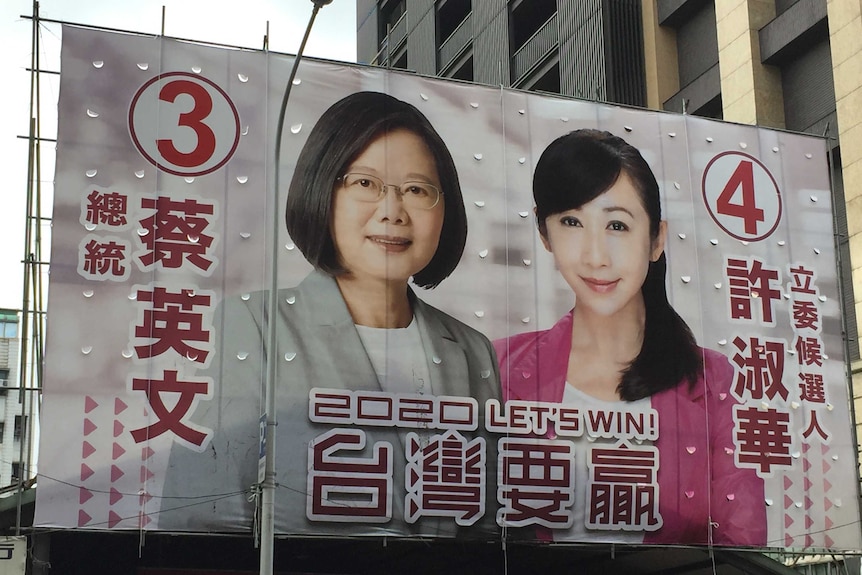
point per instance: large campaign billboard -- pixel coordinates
(499, 313)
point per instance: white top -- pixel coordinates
(582, 445)
(398, 358)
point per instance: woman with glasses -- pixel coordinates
(374, 202)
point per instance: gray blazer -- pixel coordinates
(318, 346)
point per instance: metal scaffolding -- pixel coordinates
(32, 313)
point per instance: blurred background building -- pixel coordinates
(15, 424)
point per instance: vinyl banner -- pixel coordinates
(498, 312)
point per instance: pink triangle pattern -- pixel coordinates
(83, 518)
(89, 404)
(86, 472)
(118, 428)
(116, 473)
(118, 451)
(144, 498)
(114, 496)
(146, 453)
(119, 406)
(89, 426)
(788, 482)
(788, 502)
(143, 520)
(84, 495)
(113, 519)
(788, 520)
(788, 541)
(87, 450)
(146, 474)
(828, 542)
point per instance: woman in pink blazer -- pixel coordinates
(623, 345)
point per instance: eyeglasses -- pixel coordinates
(367, 188)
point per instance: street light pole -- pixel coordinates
(267, 527)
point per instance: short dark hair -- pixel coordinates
(574, 170)
(341, 134)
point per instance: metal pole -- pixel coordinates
(842, 298)
(267, 527)
(28, 255)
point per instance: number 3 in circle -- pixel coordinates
(184, 124)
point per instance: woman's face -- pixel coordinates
(385, 240)
(603, 249)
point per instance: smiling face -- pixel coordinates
(383, 240)
(603, 249)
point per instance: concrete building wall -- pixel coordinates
(582, 49)
(367, 19)
(750, 90)
(491, 42)
(660, 59)
(10, 406)
(421, 35)
(845, 41)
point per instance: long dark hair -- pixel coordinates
(341, 134)
(574, 170)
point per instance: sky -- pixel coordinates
(223, 21)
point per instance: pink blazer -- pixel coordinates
(698, 480)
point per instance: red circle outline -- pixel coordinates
(715, 218)
(155, 162)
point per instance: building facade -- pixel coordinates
(786, 64)
(14, 424)
(588, 49)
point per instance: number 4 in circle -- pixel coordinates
(741, 196)
(742, 178)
